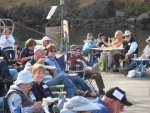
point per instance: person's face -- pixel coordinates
(127, 37)
(119, 36)
(90, 37)
(7, 32)
(52, 53)
(32, 47)
(116, 107)
(40, 54)
(46, 43)
(75, 52)
(102, 37)
(38, 76)
(26, 87)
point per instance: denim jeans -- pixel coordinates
(4, 70)
(133, 65)
(77, 80)
(70, 87)
(9, 52)
(89, 53)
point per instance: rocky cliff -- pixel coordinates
(80, 13)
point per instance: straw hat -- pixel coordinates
(127, 32)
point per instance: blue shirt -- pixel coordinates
(53, 62)
(88, 45)
(98, 102)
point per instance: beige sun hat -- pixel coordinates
(147, 40)
(127, 32)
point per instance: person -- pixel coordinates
(133, 64)
(89, 43)
(101, 39)
(78, 81)
(28, 51)
(108, 55)
(130, 48)
(8, 75)
(90, 71)
(112, 102)
(46, 41)
(7, 42)
(2, 88)
(39, 58)
(39, 88)
(78, 104)
(17, 97)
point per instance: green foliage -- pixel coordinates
(138, 10)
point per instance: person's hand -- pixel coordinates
(37, 105)
(126, 58)
(41, 61)
(49, 103)
(103, 40)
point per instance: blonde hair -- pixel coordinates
(37, 67)
(89, 34)
(6, 29)
(118, 32)
(30, 42)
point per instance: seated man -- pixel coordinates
(146, 54)
(130, 48)
(17, 95)
(77, 60)
(112, 102)
(78, 81)
(39, 58)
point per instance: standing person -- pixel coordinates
(112, 102)
(79, 104)
(90, 71)
(108, 55)
(130, 48)
(133, 64)
(46, 41)
(17, 95)
(50, 59)
(89, 43)
(50, 77)
(7, 42)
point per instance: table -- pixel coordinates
(141, 69)
(107, 48)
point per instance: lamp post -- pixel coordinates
(62, 30)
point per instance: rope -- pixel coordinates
(34, 30)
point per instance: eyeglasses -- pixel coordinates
(30, 84)
(53, 51)
(74, 49)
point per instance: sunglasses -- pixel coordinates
(127, 36)
(53, 51)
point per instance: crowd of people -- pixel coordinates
(40, 69)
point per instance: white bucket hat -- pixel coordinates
(39, 47)
(79, 103)
(127, 32)
(147, 40)
(24, 77)
(46, 38)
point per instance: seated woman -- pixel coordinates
(7, 42)
(79, 104)
(79, 82)
(40, 89)
(17, 97)
(28, 51)
(108, 55)
(89, 43)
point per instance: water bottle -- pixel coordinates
(77, 67)
(135, 55)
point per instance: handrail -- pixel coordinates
(34, 30)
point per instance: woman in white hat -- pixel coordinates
(17, 95)
(79, 104)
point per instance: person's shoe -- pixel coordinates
(94, 76)
(102, 92)
(84, 94)
(121, 70)
(115, 70)
(7, 79)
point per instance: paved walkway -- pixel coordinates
(137, 90)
